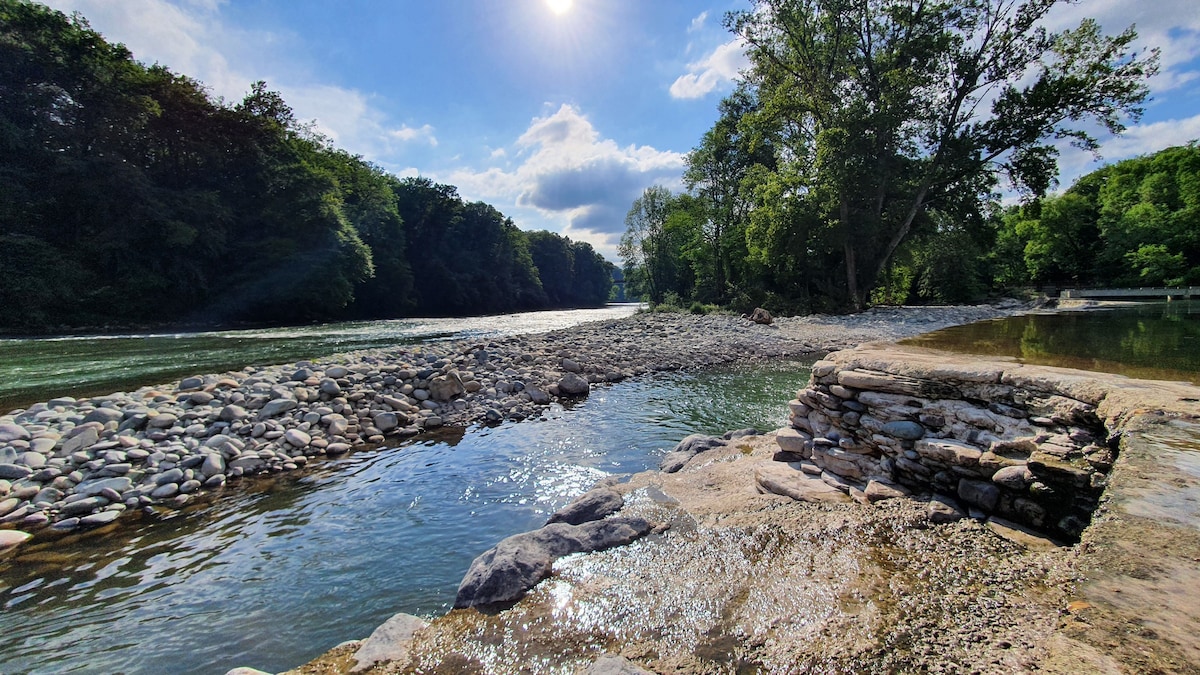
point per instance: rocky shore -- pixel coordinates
(737, 557)
(75, 463)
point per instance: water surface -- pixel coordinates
(276, 571)
(37, 369)
(1149, 340)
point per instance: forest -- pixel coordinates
(129, 196)
(907, 152)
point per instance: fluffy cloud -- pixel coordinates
(720, 66)
(564, 169)
(191, 38)
(698, 22)
(1172, 26)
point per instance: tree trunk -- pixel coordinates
(856, 301)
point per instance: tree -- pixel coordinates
(715, 172)
(646, 244)
(889, 108)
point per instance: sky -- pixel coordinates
(558, 112)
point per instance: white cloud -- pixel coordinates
(1172, 26)
(570, 173)
(708, 74)
(191, 38)
(698, 22)
(1137, 140)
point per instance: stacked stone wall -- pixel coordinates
(1030, 450)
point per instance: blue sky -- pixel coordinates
(558, 119)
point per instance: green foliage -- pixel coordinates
(884, 111)
(859, 157)
(128, 195)
(1135, 223)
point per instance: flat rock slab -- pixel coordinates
(388, 642)
(506, 571)
(787, 480)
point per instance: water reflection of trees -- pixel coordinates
(1156, 341)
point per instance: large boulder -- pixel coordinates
(507, 571)
(761, 316)
(686, 449)
(572, 384)
(592, 505)
(388, 642)
(446, 387)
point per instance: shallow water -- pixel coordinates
(277, 571)
(1158, 341)
(34, 370)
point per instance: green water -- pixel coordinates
(1159, 341)
(272, 572)
(33, 370)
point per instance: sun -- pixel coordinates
(560, 7)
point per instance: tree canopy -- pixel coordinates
(864, 130)
(128, 195)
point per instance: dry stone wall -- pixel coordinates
(1024, 446)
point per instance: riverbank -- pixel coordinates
(75, 463)
(748, 570)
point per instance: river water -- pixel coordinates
(276, 571)
(1157, 341)
(34, 370)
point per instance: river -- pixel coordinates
(279, 570)
(36, 369)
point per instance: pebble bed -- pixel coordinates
(74, 463)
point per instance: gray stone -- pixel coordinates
(277, 406)
(330, 387)
(686, 449)
(904, 430)
(213, 464)
(165, 491)
(337, 372)
(94, 487)
(505, 572)
(232, 413)
(385, 422)
(943, 509)
(85, 505)
(297, 438)
(570, 366)
(879, 489)
(33, 460)
(447, 387)
(201, 398)
(1013, 477)
(13, 432)
(103, 415)
(983, 494)
(537, 396)
(791, 440)
(101, 518)
(592, 505)
(949, 451)
(14, 471)
(12, 538)
(86, 437)
(610, 664)
(388, 642)
(191, 383)
(572, 384)
(169, 476)
(244, 670)
(790, 480)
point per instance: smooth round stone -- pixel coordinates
(85, 505)
(8, 505)
(36, 519)
(165, 491)
(169, 476)
(101, 518)
(11, 538)
(66, 524)
(43, 445)
(201, 398)
(189, 486)
(297, 438)
(14, 471)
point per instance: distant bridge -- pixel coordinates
(1130, 293)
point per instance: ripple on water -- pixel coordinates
(276, 571)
